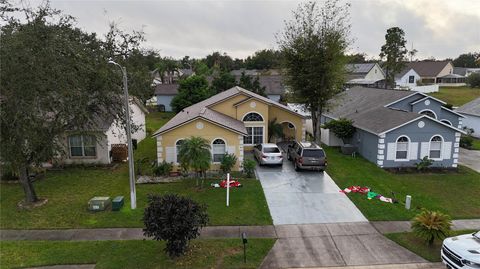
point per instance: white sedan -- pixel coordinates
(268, 154)
(462, 251)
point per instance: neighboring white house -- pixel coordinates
(93, 147)
(407, 78)
(471, 111)
(364, 74)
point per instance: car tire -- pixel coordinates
(296, 166)
(288, 156)
(321, 170)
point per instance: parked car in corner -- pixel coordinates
(268, 154)
(307, 155)
(462, 251)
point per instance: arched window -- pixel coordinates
(218, 150)
(252, 116)
(429, 113)
(177, 149)
(402, 148)
(82, 146)
(447, 122)
(291, 126)
(436, 147)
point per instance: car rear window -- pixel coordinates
(271, 150)
(315, 153)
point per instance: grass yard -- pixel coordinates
(69, 190)
(457, 96)
(476, 144)
(453, 193)
(418, 246)
(215, 253)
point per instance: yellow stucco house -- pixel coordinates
(232, 121)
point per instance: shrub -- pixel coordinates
(162, 169)
(228, 161)
(249, 167)
(174, 219)
(466, 142)
(474, 80)
(424, 163)
(342, 128)
(431, 225)
(149, 131)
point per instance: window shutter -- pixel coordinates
(447, 150)
(424, 149)
(231, 149)
(413, 151)
(170, 154)
(391, 151)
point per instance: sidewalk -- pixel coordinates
(268, 231)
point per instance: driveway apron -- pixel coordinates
(470, 158)
(305, 197)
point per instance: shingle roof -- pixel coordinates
(166, 89)
(471, 108)
(366, 107)
(427, 68)
(460, 70)
(273, 84)
(202, 110)
(361, 68)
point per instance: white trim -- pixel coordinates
(423, 116)
(286, 121)
(441, 148)
(381, 151)
(408, 149)
(454, 165)
(445, 121)
(455, 161)
(381, 141)
(455, 155)
(211, 147)
(191, 120)
(381, 146)
(263, 118)
(449, 110)
(175, 151)
(426, 109)
(456, 150)
(380, 162)
(251, 126)
(457, 134)
(428, 97)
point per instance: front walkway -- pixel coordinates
(470, 158)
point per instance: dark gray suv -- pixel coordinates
(307, 155)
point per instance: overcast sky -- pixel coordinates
(438, 28)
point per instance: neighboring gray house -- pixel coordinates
(471, 111)
(398, 128)
(364, 74)
(165, 94)
(465, 71)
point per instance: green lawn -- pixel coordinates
(68, 192)
(218, 253)
(453, 193)
(418, 246)
(457, 96)
(476, 144)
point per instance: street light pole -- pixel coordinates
(131, 169)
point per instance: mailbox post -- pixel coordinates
(244, 241)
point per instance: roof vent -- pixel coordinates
(203, 110)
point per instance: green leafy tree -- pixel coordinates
(473, 80)
(468, 60)
(342, 128)
(393, 51)
(314, 44)
(186, 62)
(55, 78)
(357, 58)
(191, 91)
(228, 162)
(264, 59)
(249, 167)
(275, 129)
(201, 68)
(222, 82)
(166, 68)
(218, 61)
(174, 219)
(431, 225)
(195, 154)
(251, 84)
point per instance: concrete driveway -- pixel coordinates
(470, 158)
(305, 197)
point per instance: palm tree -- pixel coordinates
(431, 225)
(195, 154)
(274, 129)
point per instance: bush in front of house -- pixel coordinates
(175, 219)
(162, 169)
(474, 80)
(342, 128)
(424, 164)
(466, 142)
(431, 225)
(249, 167)
(228, 161)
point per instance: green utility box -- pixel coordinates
(117, 203)
(99, 203)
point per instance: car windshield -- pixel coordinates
(314, 153)
(271, 150)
